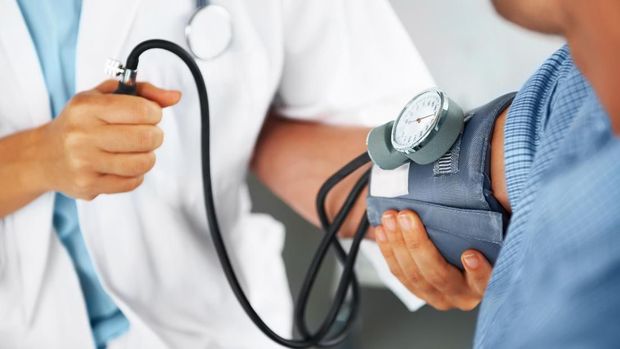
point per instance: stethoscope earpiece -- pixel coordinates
(208, 31)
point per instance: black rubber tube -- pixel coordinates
(322, 337)
(330, 239)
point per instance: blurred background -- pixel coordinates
(474, 56)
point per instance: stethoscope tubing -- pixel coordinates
(324, 336)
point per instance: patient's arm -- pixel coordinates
(415, 261)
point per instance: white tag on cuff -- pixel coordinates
(390, 183)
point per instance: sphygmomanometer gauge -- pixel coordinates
(416, 121)
(425, 130)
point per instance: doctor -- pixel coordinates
(137, 269)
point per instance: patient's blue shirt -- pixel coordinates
(557, 279)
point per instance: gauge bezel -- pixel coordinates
(430, 133)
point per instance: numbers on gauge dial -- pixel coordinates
(416, 121)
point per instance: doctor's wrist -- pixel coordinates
(22, 174)
(41, 172)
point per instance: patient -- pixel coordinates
(557, 279)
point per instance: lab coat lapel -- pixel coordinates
(31, 225)
(104, 28)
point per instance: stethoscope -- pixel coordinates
(209, 30)
(340, 318)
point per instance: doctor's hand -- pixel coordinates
(104, 143)
(416, 262)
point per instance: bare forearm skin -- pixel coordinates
(294, 158)
(22, 178)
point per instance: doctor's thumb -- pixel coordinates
(165, 98)
(477, 270)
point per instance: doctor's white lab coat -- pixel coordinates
(337, 61)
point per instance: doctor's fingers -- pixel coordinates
(433, 266)
(125, 165)
(477, 271)
(404, 267)
(110, 184)
(114, 109)
(128, 138)
(164, 98)
(108, 86)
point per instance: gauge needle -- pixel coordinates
(424, 117)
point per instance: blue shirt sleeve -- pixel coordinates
(571, 275)
(555, 128)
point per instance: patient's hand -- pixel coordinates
(416, 262)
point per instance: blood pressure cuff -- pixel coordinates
(452, 196)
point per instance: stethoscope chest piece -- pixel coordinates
(209, 32)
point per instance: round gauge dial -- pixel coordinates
(417, 120)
